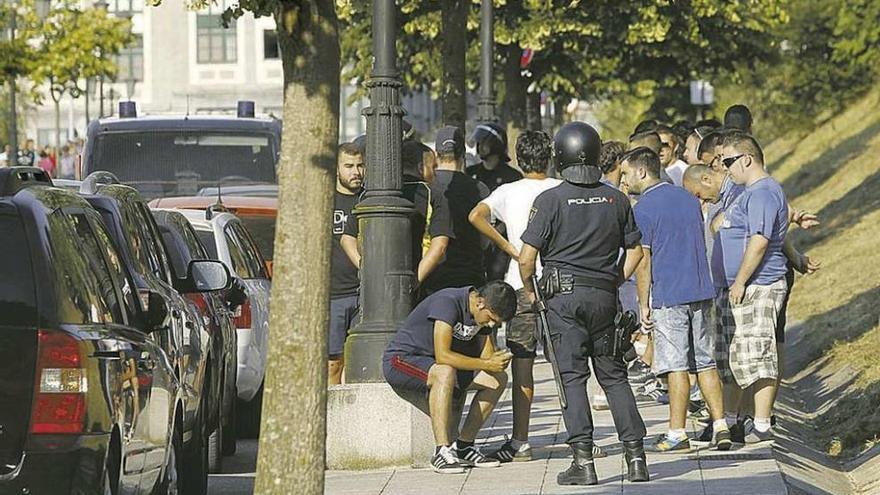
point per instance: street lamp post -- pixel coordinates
(387, 279)
(486, 104)
(101, 5)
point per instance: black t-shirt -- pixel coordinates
(502, 174)
(416, 333)
(456, 195)
(343, 274)
(581, 229)
(419, 193)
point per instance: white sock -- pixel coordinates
(719, 425)
(762, 425)
(677, 434)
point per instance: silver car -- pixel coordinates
(227, 240)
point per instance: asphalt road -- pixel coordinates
(238, 473)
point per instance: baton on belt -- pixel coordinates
(544, 333)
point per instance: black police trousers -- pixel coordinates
(575, 321)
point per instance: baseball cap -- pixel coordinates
(449, 140)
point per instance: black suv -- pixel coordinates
(136, 236)
(183, 246)
(89, 402)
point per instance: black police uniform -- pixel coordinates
(579, 230)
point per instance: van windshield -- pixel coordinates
(180, 163)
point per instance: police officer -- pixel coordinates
(579, 228)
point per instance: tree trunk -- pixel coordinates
(453, 48)
(533, 111)
(513, 101)
(291, 453)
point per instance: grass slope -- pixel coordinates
(835, 171)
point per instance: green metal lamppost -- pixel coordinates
(486, 103)
(387, 279)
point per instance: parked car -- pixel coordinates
(90, 401)
(136, 236)
(183, 246)
(227, 240)
(257, 213)
(178, 155)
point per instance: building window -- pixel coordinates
(214, 43)
(125, 8)
(130, 61)
(271, 51)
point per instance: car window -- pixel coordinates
(18, 300)
(262, 230)
(237, 253)
(252, 253)
(84, 289)
(117, 270)
(192, 241)
(164, 265)
(210, 244)
(177, 251)
(137, 236)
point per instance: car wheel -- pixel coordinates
(249, 416)
(170, 483)
(195, 477)
(229, 428)
(215, 449)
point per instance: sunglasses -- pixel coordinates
(729, 161)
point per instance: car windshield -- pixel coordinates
(262, 229)
(180, 163)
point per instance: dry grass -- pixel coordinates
(835, 171)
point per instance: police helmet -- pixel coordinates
(576, 149)
(496, 137)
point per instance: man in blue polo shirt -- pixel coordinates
(442, 350)
(752, 235)
(675, 295)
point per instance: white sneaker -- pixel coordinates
(445, 462)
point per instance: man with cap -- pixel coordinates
(579, 228)
(455, 194)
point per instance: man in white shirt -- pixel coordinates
(512, 203)
(669, 160)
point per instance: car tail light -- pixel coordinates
(60, 400)
(242, 315)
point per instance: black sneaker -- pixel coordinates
(506, 453)
(742, 428)
(707, 434)
(445, 462)
(639, 372)
(722, 440)
(599, 452)
(650, 392)
(697, 410)
(471, 456)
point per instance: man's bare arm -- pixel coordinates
(350, 246)
(634, 256)
(432, 259)
(443, 353)
(479, 217)
(644, 279)
(528, 257)
(800, 261)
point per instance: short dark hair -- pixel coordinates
(350, 149)
(610, 155)
(641, 139)
(683, 129)
(412, 156)
(738, 117)
(709, 142)
(743, 142)
(533, 151)
(500, 298)
(643, 157)
(647, 125)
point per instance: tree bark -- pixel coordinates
(533, 111)
(513, 101)
(453, 47)
(292, 440)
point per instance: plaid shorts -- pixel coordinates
(752, 343)
(724, 327)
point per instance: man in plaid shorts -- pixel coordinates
(750, 253)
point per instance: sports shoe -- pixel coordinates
(756, 436)
(698, 411)
(722, 441)
(471, 456)
(506, 453)
(599, 402)
(599, 452)
(663, 398)
(639, 373)
(707, 434)
(445, 462)
(742, 428)
(650, 392)
(664, 445)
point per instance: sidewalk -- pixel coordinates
(744, 470)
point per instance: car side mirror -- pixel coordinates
(155, 311)
(207, 276)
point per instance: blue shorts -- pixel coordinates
(343, 311)
(683, 338)
(408, 376)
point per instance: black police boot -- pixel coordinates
(582, 470)
(636, 464)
